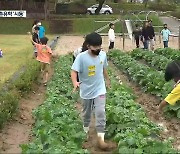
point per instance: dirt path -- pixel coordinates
(18, 131)
(173, 24)
(149, 103)
(67, 44)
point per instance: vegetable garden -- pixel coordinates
(58, 127)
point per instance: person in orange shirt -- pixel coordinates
(172, 72)
(44, 56)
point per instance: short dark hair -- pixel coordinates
(35, 22)
(111, 24)
(44, 40)
(84, 46)
(149, 20)
(172, 70)
(165, 24)
(136, 25)
(36, 28)
(93, 39)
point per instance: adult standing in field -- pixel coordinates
(35, 24)
(137, 33)
(145, 35)
(165, 35)
(111, 36)
(151, 35)
(41, 30)
(91, 66)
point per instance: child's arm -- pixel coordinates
(171, 99)
(162, 105)
(30, 36)
(74, 80)
(107, 78)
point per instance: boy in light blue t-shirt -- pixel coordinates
(91, 67)
(165, 35)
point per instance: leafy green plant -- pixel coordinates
(151, 80)
(58, 127)
(12, 90)
(169, 53)
(152, 59)
(128, 124)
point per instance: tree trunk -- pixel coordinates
(46, 9)
(145, 3)
(21, 4)
(101, 2)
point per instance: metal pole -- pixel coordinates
(123, 34)
(179, 37)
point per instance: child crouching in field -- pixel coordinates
(172, 73)
(44, 56)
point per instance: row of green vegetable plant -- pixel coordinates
(58, 127)
(151, 80)
(128, 124)
(154, 60)
(169, 53)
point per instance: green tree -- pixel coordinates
(101, 2)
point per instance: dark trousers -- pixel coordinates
(111, 46)
(137, 42)
(145, 44)
(165, 44)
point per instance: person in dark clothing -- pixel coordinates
(35, 38)
(145, 35)
(151, 34)
(137, 33)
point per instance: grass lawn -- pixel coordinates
(17, 50)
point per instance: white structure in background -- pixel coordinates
(137, 1)
(129, 28)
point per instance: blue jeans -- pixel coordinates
(165, 44)
(145, 44)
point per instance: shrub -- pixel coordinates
(13, 89)
(162, 6)
(176, 14)
(61, 26)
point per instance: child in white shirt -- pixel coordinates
(111, 36)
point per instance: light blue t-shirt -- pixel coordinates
(41, 31)
(165, 34)
(90, 71)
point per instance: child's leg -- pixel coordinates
(166, 44)
(87, 109)
(35, 52)
(137, 42)
(110, 45)
(46, 72)
(99, 104)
